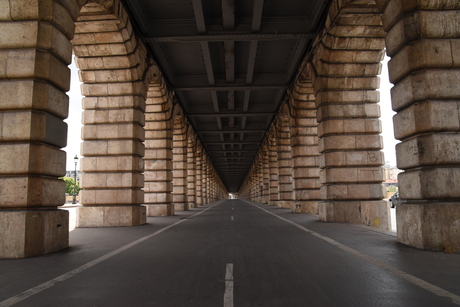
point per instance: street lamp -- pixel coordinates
(74, 201)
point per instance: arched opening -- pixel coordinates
(112, 64)
(74, 140)
(390, 168)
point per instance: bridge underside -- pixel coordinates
(183, 104)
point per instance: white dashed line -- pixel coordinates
(228, 294)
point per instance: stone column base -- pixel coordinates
(159, 210)
(110, 216)
(180, 207)
(33, 233)
(285, 204)
(374, 213)
(434, 226)
(310, 207)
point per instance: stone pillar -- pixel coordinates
(191, 170)
(206, 174)
(273, 163)
(213, 188)
(158, 151)
(198, 178)
(203, 178)
(253, 182)
(111, 67)
(179, 192)
(266, 175)
(208, 181)
(284, 160)
(304, 143)
(260, 178)
(347, 62)
(423, 43)
(34, 78)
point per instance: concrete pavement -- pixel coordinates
(233, 253)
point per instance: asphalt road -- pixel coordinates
(233, 253)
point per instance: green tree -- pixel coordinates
(392, 188)
(69, 185)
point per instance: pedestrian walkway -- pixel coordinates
(233, 253)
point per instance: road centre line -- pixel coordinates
(410, 278)
(228, 294)
(32, 291)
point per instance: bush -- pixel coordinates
(392, 188)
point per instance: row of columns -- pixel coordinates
(334, 135)
(140, 155)
(178, 172)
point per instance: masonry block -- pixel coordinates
(427, 116)
(17, 158)
(111, 197)
(34, 64)
(113, 131)
(111, 216)
(352, 174)
(434, 226)
(426, 84)
(112, 180)
(370, 213)
(33, 232)
(353, 191)
(351, 158)
(31, 191)
(158, 197)
(429, 149)
(309, 207)
(112, 163)
(113, 102)
(159, 210)
(430, 183)
(33, 126)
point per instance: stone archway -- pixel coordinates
(304, 143)
(158, 148)
(37, 54)
(344, 66)
(112, 64)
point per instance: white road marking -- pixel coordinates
(232, 217)
(228, 294)
(410, 278)
(32, 291)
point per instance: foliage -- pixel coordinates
(69, 185)
(392, 188)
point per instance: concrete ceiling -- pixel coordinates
(229, 64)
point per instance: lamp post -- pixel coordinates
(74, 201)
